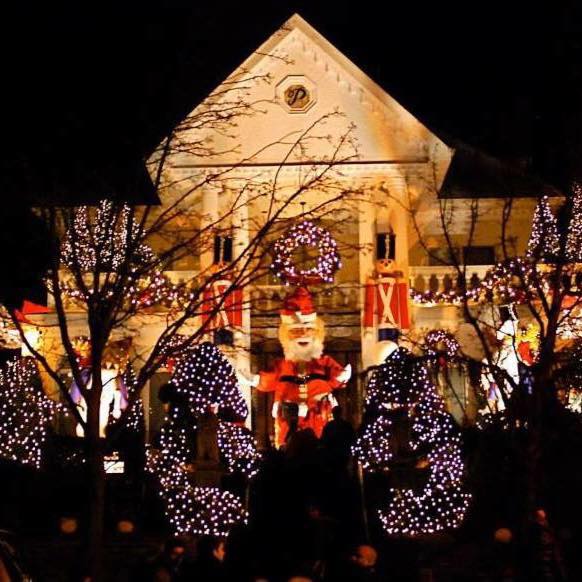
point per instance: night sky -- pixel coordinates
(89, 89)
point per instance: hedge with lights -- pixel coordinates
(204, 379)
(401, 388)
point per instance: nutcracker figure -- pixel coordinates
(223, 305)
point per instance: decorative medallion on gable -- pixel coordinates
(296, 93)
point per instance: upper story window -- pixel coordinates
(440, 256)
(482, 255)
(222, 249)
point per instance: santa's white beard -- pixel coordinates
(298, 353)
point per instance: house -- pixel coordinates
(404, 179)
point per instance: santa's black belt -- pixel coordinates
(299, 380)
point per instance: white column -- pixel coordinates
(241, 239)
(367, 241)
(210, 214)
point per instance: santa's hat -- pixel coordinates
(298, 307)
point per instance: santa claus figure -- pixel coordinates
(305, 379)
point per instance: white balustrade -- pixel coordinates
(443, 277)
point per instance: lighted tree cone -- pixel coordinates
(400, 390)
(544, 241)
(238, 448)
(204, 380)
(190, 509)
(108, 235)
(25, 413)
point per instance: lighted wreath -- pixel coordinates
(306, 236)
(439, 340)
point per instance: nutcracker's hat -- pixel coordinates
(298, 307)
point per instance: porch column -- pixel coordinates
(367, 241)
(242, 338)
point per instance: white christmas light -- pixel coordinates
(308, 235)
(205, 379)
(25, 413)
(402, 384)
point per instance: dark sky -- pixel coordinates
(89, 88)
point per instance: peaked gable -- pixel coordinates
(297, 58)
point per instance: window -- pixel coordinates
(479, 255)
(439, 256)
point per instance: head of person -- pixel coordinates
(541, 516)
(175, 549)
(219, 550)
(365, 556)
(314, 511)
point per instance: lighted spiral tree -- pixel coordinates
(401, 400)
(25, 413)
(203, 379)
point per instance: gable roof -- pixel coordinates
(296, 22)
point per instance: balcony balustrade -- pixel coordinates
(443, 277)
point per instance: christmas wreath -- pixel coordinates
(303, 237)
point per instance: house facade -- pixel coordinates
(302, 89)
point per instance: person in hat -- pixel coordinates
(305, 379)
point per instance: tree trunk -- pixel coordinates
(96, 489)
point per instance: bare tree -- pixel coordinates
(107, 274)
(536, 276)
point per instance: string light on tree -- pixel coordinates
(25, 413)
(108, 237)
(574, 238)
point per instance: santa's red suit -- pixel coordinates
(306, 384)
